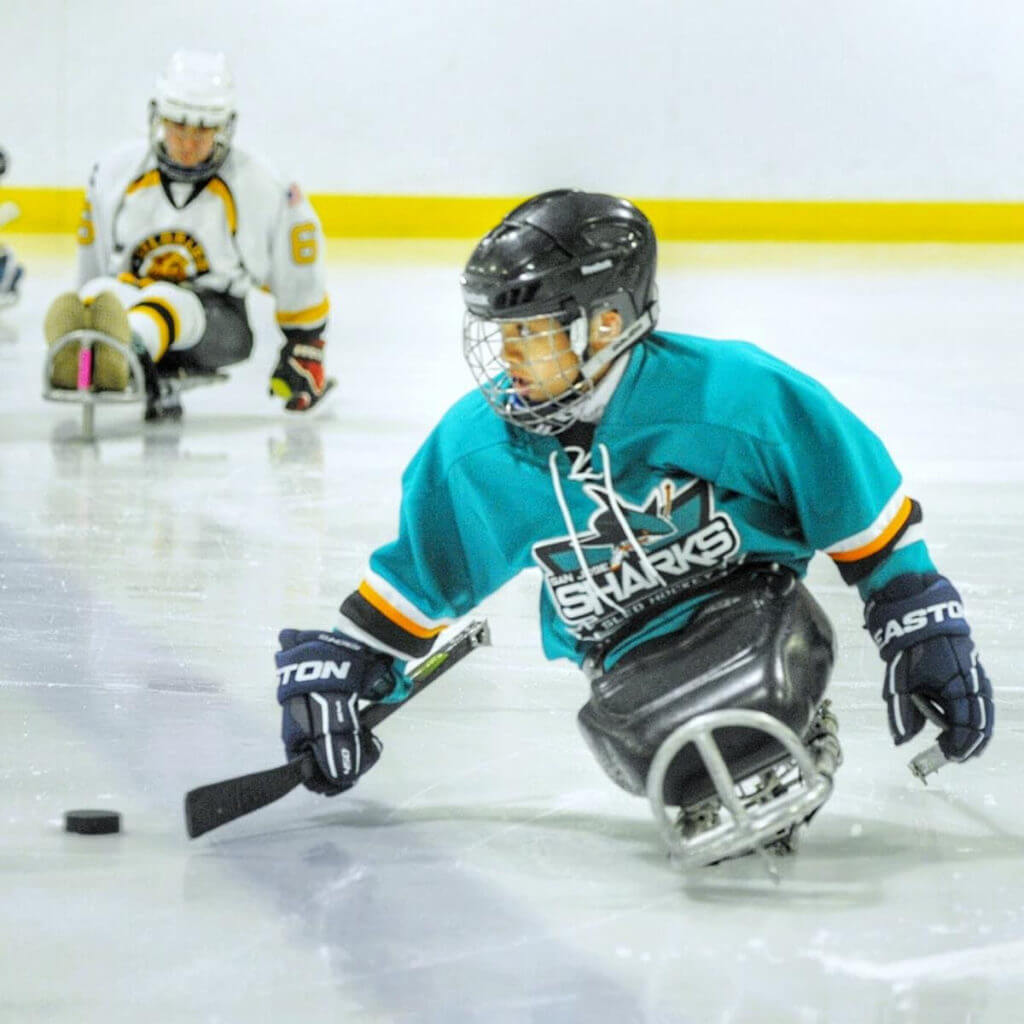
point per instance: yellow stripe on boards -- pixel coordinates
(696, 220)
(675, 220)
(409, 216)
(45, 209)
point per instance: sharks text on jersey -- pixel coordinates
(676, 540)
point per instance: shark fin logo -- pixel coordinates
(632, 557)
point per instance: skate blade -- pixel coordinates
(747, 826)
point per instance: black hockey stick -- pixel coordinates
(208, 807)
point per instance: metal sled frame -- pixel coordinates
(136, 393)
(751, 826)
(84, 395)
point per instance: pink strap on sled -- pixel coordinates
(85, 368)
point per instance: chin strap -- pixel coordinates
(639, 328)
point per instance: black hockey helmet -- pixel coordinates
(562, 252)
(566, 254)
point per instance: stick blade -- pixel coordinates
(213, 805)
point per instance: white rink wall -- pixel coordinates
(738, 99)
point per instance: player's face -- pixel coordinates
(540, 362)
(188, 145)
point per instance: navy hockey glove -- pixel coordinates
(917, 621)
(299, 377)
(321, 676)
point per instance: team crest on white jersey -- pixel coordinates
(636, 557)
(173, 256)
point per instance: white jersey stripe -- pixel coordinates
(402, 604)
(869, 533)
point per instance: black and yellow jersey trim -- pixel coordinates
(216, 186)
(147, 180)
(310, 317)
(219, 187)
(166, 319)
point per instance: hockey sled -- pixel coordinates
(147, 386)
(761, 811)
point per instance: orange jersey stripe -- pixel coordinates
(368, 594)
(881, 540)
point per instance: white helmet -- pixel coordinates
(196, 89)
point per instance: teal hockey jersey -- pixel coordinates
(709, 455)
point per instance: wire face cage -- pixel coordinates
(528, 370)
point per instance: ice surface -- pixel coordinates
(486, 870)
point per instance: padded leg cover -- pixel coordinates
(227, 339)
(765, 645)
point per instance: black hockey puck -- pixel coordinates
(92, 823)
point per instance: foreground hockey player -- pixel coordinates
(175, 233)
(671, 490)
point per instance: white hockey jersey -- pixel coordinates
(242, 229)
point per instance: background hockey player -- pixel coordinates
(670, 489)
(176, 231)
(11, 271)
